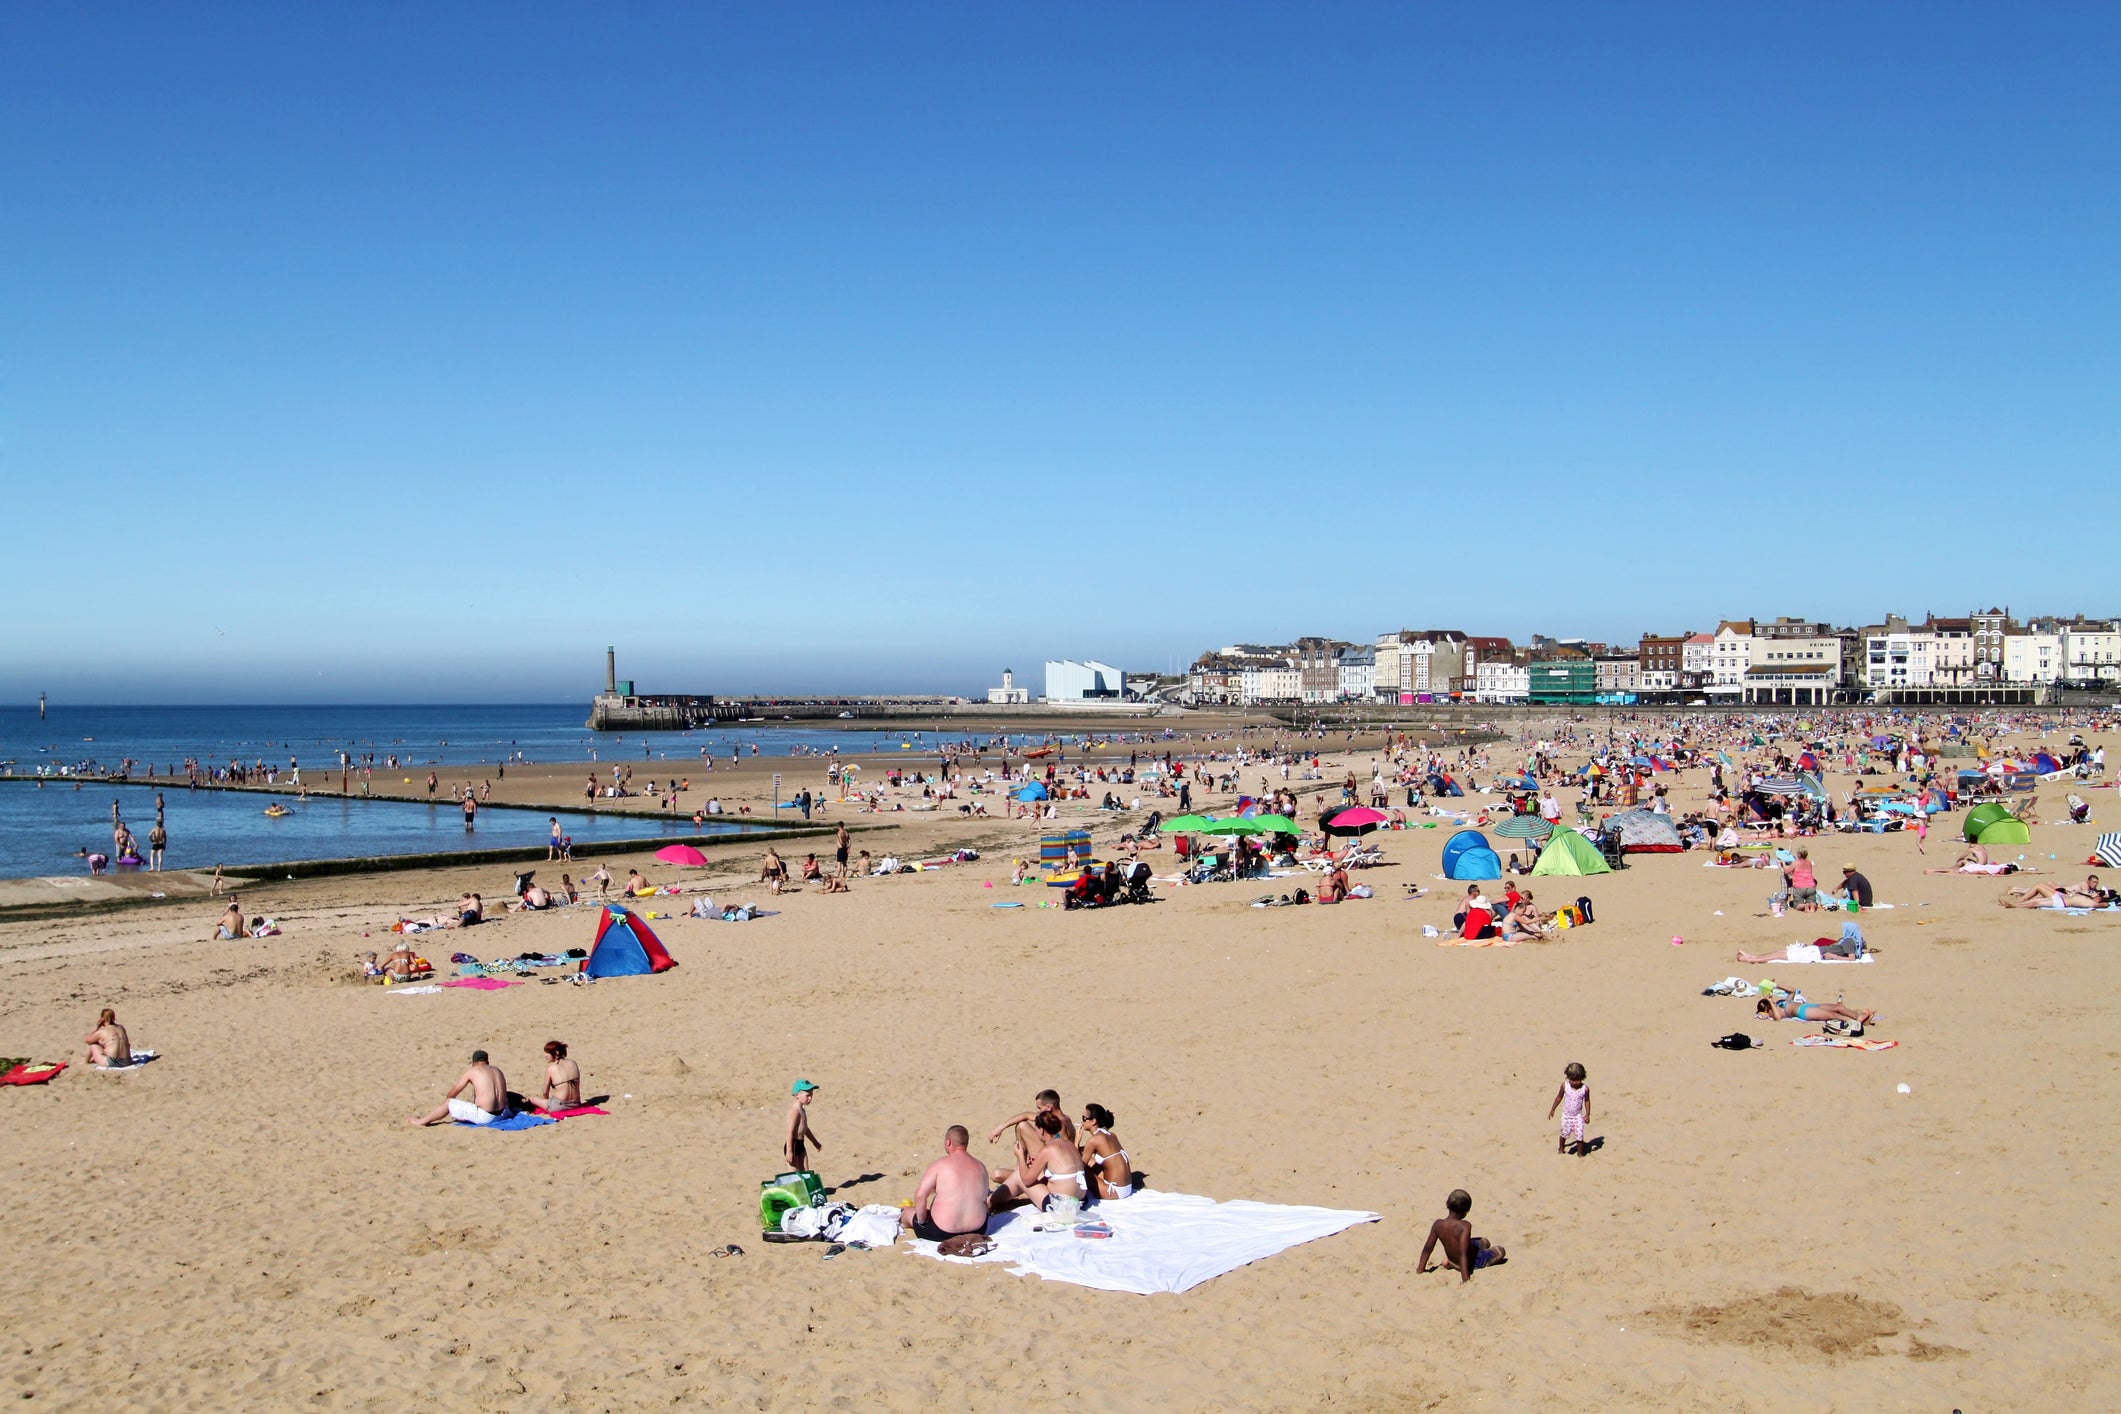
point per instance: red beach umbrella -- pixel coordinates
(1355, 820)
(683, 854)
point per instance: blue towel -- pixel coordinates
(521, 1119)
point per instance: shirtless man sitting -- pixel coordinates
(108, 1045)
(563, 1081)
(531, 900)
(952, 1196)
(231, 924)
(488, 1102)
(1046, 1101)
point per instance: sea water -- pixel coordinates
(43, 829)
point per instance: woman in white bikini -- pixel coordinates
(1104, 1157)
(1038, 1178)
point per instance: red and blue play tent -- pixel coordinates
(625, 947)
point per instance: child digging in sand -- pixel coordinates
(1573, 1099)
(1462, 1251)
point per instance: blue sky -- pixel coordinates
(407, 352)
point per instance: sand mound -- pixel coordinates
(1838, 1325)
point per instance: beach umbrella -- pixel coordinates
(1353, 820)
(1257, 825)
(1525, 827)
(1187, 825)
(683, 854)
(2108, 850)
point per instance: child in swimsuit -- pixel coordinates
(1462, 1251)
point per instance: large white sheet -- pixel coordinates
(1159, 1241)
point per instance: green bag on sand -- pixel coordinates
(789, 1190)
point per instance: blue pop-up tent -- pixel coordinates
(625, 947)
(1468, 855)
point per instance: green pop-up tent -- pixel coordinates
(1981, 817)
(1569, 853)
(2009, 830)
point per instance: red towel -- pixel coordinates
(30, 1073)
(483, 984)
(577, 1112)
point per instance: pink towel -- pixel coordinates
(483, 984)
(576, 1113)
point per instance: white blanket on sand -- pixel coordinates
(1159, 1241)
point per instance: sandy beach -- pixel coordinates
(249, 1223)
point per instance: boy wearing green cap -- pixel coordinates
(800, 1133)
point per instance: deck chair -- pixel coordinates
(2026, 808)
(2079, 809)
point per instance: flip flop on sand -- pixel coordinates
(732, 1250)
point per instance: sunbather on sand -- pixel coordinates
(231, 924)
(1851, 944)
(1111, 1171)
(403, 964)
(2085, 895)
(952, 1196)
(1976, 861)
(1516, 927)
(1050, 1176)
(1024, 1124)
(563, 1081)
(1768, 1009)
(108, 1045)
(488, 1102)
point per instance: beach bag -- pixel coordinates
(789, 1190)
(1736, 1041)
(1583, 909)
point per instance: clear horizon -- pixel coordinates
(408, 356)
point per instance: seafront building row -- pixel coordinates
(1986, 657)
